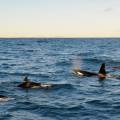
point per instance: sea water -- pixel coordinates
(51, 60)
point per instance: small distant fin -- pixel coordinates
(102, 69)
(26, 79)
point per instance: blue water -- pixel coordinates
(51, 61)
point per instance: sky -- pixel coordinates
(59, 18)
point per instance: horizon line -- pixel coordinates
(54, 37)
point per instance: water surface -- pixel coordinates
(51, 60)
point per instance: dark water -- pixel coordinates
(51, 61)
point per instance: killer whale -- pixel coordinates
(29, 84)
(3, 98)
(101, 74)
(83, 72)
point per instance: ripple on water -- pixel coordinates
(50, 61)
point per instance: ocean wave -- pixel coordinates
(50, 61)
(24, 74)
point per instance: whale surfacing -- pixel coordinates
(83, 73)
(29, 84)
(4, 98)
(101, 74)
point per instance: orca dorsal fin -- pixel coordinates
(26, 79)
(102, 69)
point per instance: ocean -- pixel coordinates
(52, 60)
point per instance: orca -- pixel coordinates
(84, 73)
(29, 84)
(101, 74)
(3, 98)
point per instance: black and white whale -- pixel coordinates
(29, 84)
(4, 98)
(101, 74)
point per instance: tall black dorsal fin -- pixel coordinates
(102, 69)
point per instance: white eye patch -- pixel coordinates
(79, 73)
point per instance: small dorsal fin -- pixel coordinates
(26, 79)
(102, 69)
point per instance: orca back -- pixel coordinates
(84, 73)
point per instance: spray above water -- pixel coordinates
(76, 64)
